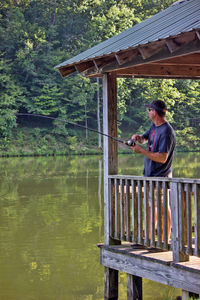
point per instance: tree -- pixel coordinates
(10, 95)
(37, 35)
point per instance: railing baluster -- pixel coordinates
(146, 214)
(112, 208)
(182, 217)
(124, 209)
(159, 215)
(197, 218)
(122, 235)
(134, 213)
(110, 194)
(152, 209)
(140, 227)
(189, 219)
(127, 211)
(165, 215)
(116, 210)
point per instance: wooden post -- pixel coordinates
(110, 148)
(110, 284)
(134, 287)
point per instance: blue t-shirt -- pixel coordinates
(161, 139)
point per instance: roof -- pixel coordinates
(180, 19)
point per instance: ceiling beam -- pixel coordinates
(187, 60)
(158, 77)
(166, 71)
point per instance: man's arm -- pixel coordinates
(155, 156)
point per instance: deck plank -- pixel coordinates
(156, 266)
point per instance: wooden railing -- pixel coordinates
(156, 212)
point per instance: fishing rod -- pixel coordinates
(130, 142)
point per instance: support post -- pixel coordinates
(110, 284)
(134, 287)
(110, 148)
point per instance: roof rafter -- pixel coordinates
(126, 56)
(67, 70)
(151, 49)
(176, 43)
(81, 67)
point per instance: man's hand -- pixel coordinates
(137, 149)
(138, 138)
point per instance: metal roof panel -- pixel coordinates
(178, 18)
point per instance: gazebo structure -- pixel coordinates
(167, 45)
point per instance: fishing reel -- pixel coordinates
(130, 143)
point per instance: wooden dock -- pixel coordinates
(141, 242)
(152, 265)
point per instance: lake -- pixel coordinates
(51, 218)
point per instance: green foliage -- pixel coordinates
(10, 93)
(115, 17)
(37, 35)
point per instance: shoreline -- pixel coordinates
(72, 153)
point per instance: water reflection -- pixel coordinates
(51, 218)
(49, 227)
(185, 165)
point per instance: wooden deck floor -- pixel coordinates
(153, 265)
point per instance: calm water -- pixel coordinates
(51, 218)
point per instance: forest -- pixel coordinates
(37, 35)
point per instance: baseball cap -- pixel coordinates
(158, 105)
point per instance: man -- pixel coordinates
(161, 142)
(160, 148)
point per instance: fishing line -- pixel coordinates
(128, 143)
